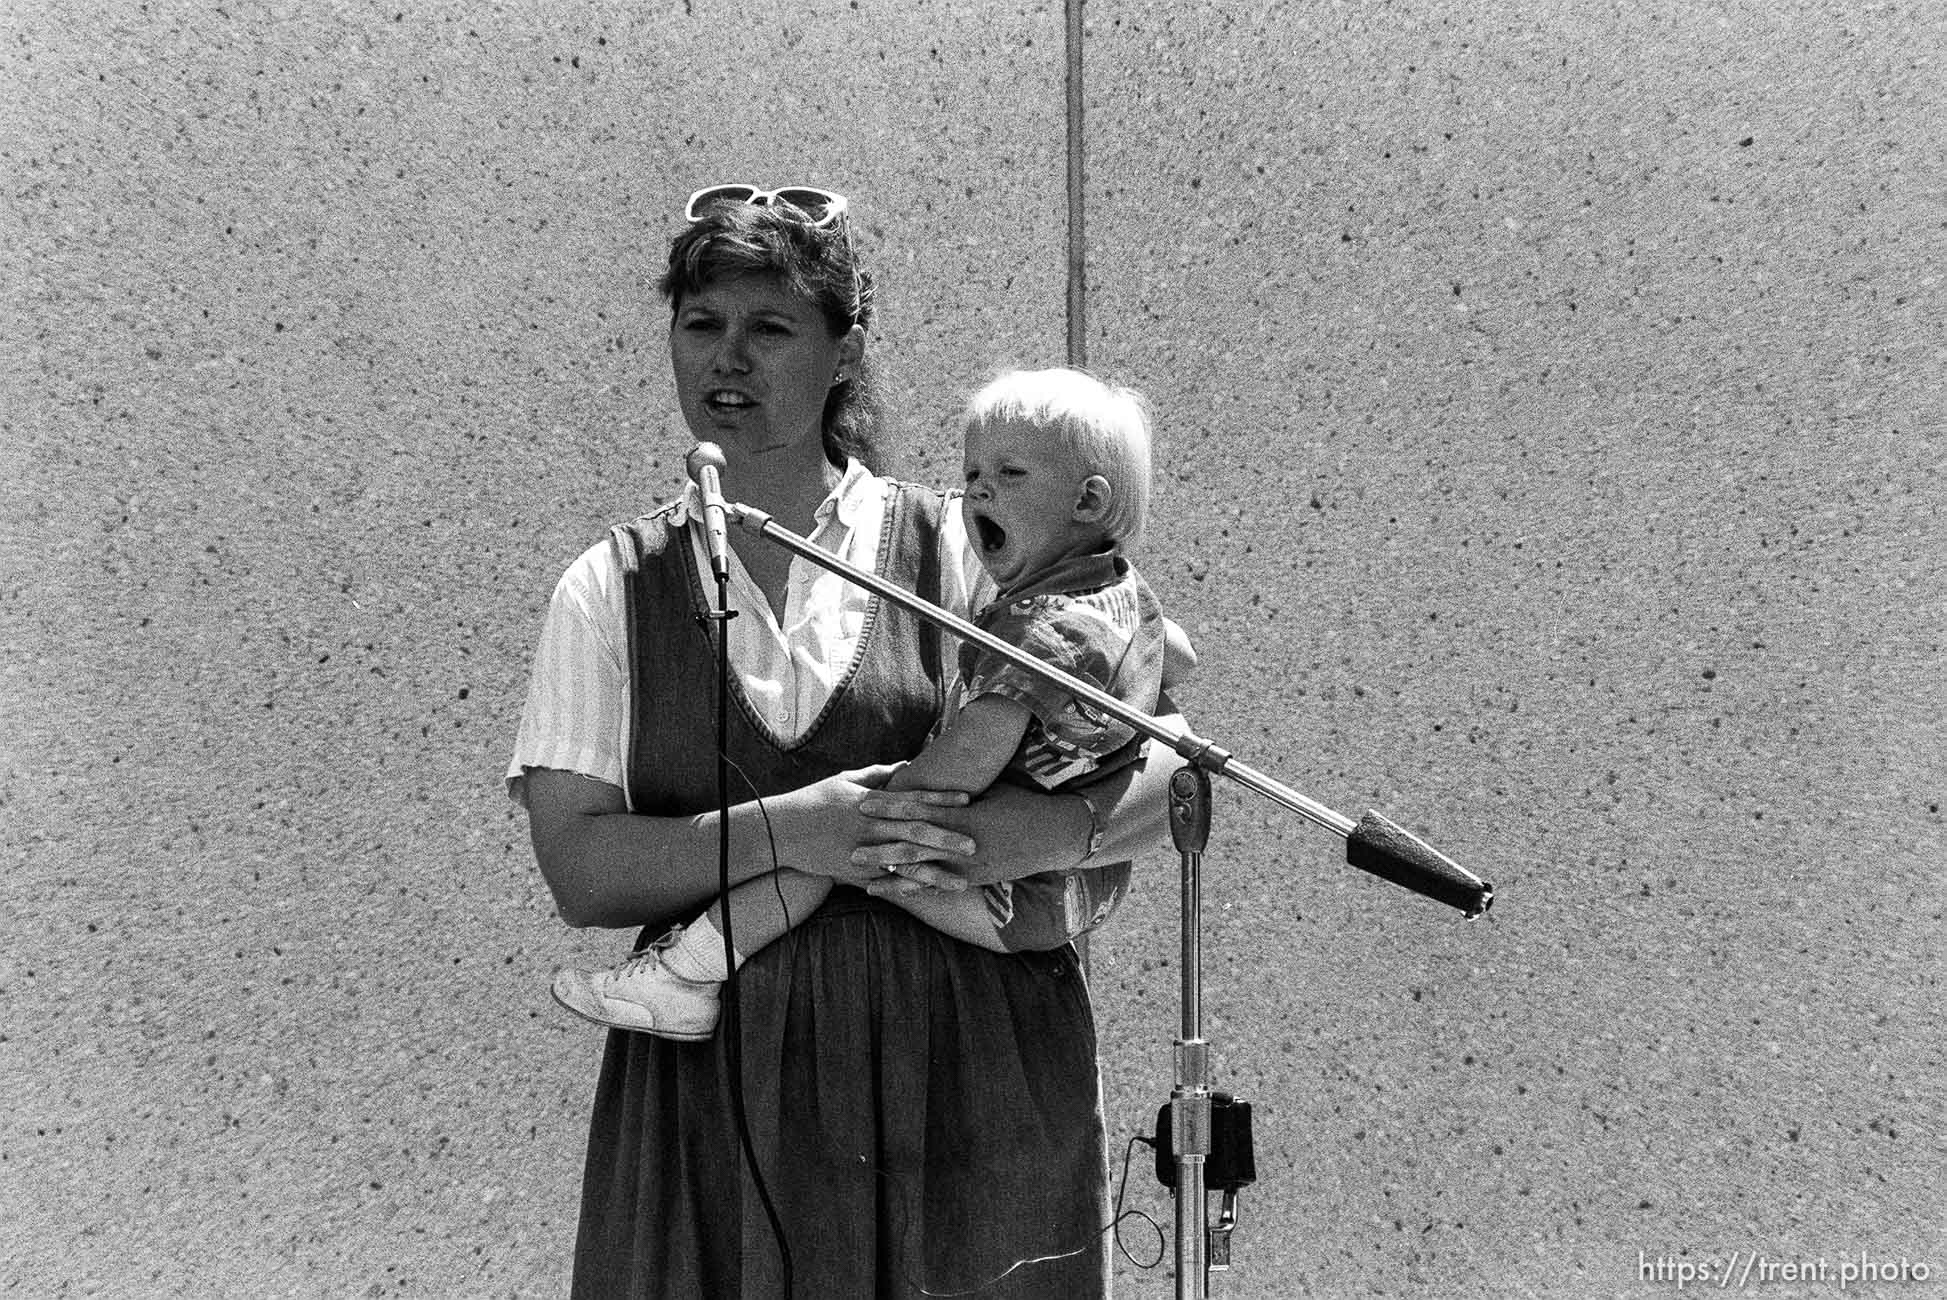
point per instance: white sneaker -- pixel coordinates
(641, 994)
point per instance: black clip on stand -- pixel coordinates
(1200, 1122)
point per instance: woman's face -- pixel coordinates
(753, 363)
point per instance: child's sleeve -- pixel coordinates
(1046, 910)
(1072, 737)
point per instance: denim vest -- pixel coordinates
(880, 710)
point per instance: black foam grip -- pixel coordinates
(1386, 850)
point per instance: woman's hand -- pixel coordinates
(1009, 832)
(916, 835)
(848, 828)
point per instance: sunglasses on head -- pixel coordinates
(821, 208)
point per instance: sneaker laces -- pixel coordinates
(645, 958)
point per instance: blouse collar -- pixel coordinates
(850, 500)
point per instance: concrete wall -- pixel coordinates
(1548, 400)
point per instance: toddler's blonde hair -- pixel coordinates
(1103, 428)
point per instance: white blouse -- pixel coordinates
(576, 717)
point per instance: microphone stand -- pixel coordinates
(1190, 1114)
(1372, 844)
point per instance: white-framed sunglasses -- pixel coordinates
(821, 208)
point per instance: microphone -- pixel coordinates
(704, 463)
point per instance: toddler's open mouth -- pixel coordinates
(992, 536)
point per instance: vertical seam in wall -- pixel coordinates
(1077, 261)
(1077, 234)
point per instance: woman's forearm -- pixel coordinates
(608, 867)
(1133, 818)
(962, 914)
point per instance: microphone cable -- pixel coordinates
(733, 1042)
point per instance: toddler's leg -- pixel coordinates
(761, 911)
(670, 988)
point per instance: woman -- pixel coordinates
(925, 1114)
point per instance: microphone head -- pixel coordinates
(704, 454)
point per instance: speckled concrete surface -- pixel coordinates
(1549, 400)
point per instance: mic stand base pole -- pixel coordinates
(1190, 1099)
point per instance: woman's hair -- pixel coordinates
(736, 240)
(1104, 429)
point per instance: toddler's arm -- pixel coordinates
(967, 756)
(972, 751)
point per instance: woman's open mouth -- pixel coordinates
(726, 400)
